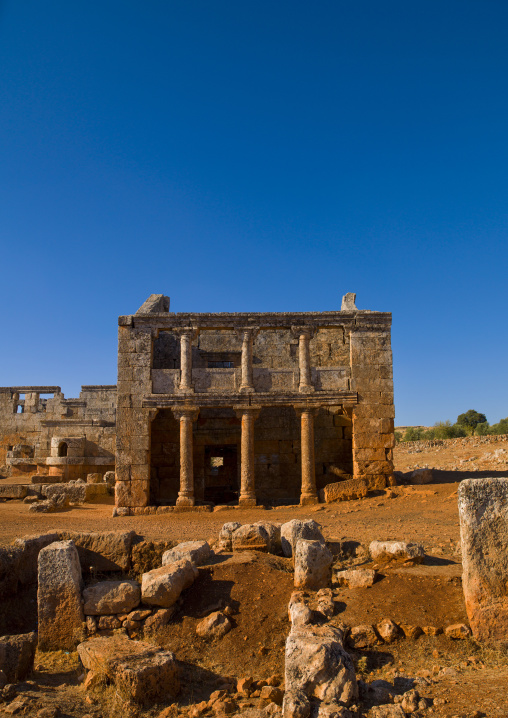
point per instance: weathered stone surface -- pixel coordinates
(251, 537)
(318, 670)
(387, 711)
(483, 513)
(147, 554)
(411, 632)
(274, 535)
(388, 630)
(17, 656)
(109, 597)
(163, 586)
(109, 479)
(59, 597)
(363, 636)
(355, 577)
(29, 547)
(422, 476)
(297, 529)
(298, 611)
(94, 478)
(13, 491)
(458, 631)
(216, 625)
(225, 536)
(386, 550)
(142, 671)
(198, 552)
(159, 618)
(313, 562)
(108, 623)
(344, 490)
(102, 550)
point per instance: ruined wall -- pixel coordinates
(32, 418)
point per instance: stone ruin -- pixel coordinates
(247, 408)
(217, 409)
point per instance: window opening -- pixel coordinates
(62, 449)
(221, 365)
(20, 409)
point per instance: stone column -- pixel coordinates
(309, 493)
(186, 336)
(186, 415)
(248, 416)
(247, 335)
(304, 335)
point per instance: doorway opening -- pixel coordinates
(221, 474)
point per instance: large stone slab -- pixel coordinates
(483, 513)
(103, 550)
(144, 672)
(17, 655)
(59, 597)
(195, 551)
(297, 529)
(109, 597)
(163, 586)
(396, 550)
(344, 490)
(13, 491)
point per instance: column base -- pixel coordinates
(185, 501)
(247, 389)
(305, 389)
(185, 390)
(309, 499)
(247, 501)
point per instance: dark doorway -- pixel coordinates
(221, 473)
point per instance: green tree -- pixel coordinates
(471, 419)
(500, 428)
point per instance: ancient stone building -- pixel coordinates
(250, 407)
(43, 433)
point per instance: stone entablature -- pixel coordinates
(238, 374)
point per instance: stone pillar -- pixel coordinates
(186, 415)
(247, 335)
(248, 415)
(186, 336)
(309, 493)
(60, 610)
(304, 335)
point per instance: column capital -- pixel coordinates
(250, 410)
(179, 412)
(306, 330)
(187, 331)
(303, 409)
(241, 331)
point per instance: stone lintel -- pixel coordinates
(263, 320)
(315, 400)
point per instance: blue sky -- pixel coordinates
(264, 156)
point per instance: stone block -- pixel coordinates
(132, 493)
(313, 562)
(163, 586)
(197, 552)
(60, 611)
(344, 491)
(13, 491)
(111, 597)
(388, 550)
(145, 673)
(214, 626)
(483, 514)
(29, 548)
(102, 550)
(17, 656)
(251, 537)
(294, 530)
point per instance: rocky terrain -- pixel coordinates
(400, 618)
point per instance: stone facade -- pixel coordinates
(42, 432)
(251, 407)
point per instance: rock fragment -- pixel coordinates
(109, 597)
(297, 529)
(313, 562)
(163, 586)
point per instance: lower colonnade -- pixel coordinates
(186, 415)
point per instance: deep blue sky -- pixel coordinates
(265, 156)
